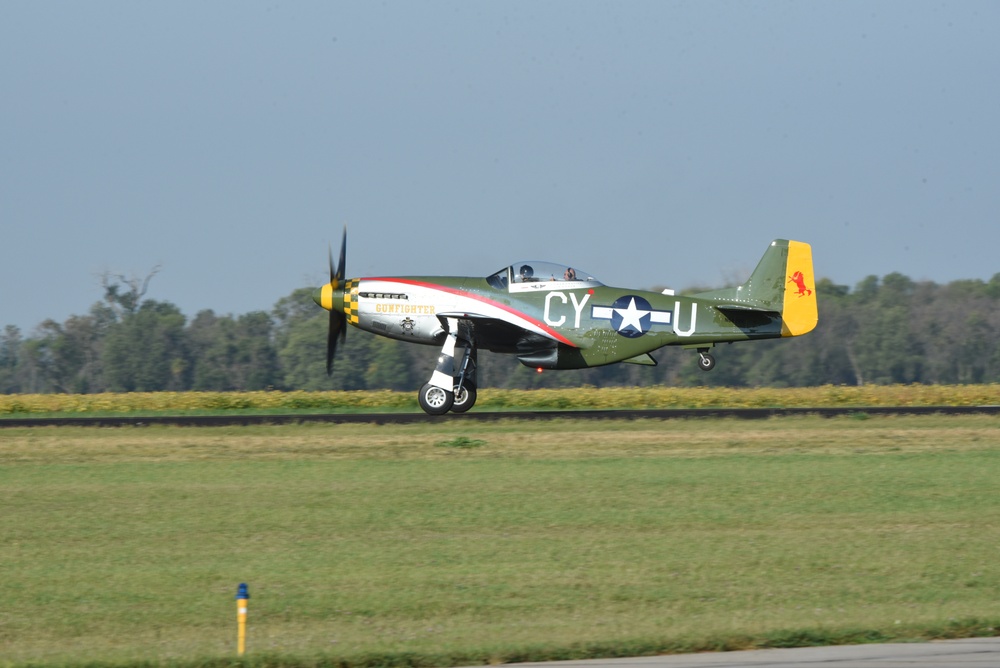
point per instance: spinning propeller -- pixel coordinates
(326, 297)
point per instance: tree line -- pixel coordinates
(884, 330)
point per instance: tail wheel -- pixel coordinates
(435, 400)
(465, 398)
(706, 362)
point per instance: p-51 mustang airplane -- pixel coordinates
(560, 317)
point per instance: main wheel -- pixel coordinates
(434, 400)
(464, 398)
(706, 362)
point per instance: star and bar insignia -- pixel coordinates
(631, 315)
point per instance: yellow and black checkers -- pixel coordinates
(351, 301)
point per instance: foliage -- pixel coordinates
(148, 350)
(583, 398)
(886, 331)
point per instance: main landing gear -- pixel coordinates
(452, 388)
(435, 400)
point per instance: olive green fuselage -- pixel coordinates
(552, 324)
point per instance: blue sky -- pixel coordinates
(652, 143)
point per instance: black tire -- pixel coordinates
(434, 400)
(464, 399)
(706, 362)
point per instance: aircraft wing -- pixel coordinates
(517, 335)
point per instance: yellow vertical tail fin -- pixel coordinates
(799, 313)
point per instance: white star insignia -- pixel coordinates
(631, 316)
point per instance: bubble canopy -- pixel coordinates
(539, 275)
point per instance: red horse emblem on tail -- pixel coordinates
(800, 282)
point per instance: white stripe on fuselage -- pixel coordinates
(457, 302)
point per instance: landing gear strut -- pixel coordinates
(465, 382)
(452, 388)
(465, 398)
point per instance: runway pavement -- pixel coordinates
(965, 653)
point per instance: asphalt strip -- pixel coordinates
(964, 653)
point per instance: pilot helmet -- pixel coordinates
(526, 271)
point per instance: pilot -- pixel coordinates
(569, 274)
(527, 273)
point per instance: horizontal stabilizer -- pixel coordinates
(746, 317)
(744, 307)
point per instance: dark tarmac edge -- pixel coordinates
(719, 651)
(421, 418)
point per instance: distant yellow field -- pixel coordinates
(497, 399)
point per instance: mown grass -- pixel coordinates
(374, 545)
(583, 398)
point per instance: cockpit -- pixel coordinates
(535, 275)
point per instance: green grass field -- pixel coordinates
(461, 543)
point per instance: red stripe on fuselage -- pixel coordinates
(486, 300)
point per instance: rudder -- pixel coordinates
(799, 313)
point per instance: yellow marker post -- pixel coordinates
(242, 596)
